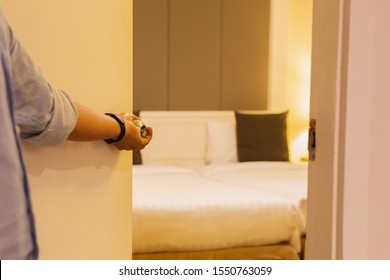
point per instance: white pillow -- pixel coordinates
(221, 142)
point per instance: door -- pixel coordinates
(323, 226)
(81, 192)
(348, 182)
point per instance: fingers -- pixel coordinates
(150, 133)
(133, 139)
(148, 137)
(129, 117)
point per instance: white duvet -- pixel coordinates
(282, 178)
(186, 209)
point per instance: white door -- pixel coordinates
(81, 191)
(348, 181)
(324, 106)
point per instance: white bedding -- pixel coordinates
(184, 209)
(282, 178)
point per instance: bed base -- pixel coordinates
(281, 251)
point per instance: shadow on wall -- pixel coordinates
(71, 156)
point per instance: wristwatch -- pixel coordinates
(121, 123)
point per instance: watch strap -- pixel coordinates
(122, 126)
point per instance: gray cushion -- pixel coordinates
(262, 137)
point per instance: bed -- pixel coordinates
(197, 198)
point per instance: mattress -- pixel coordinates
(285, 179)
(177, 209)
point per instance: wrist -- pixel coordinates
(122, 128)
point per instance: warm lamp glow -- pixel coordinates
(298, 147)
(304, 85)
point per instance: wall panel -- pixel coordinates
(201, 54)
(194, 54)
(150, 54)
(245, 37)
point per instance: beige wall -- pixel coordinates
(289, 67)
(201, 54)
(81, 191)
(150, 54)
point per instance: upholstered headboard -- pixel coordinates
(180, 137)
(215, 137)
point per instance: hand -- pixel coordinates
(132, 139)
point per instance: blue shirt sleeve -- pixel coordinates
(44, 114)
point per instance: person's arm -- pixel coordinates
(92, 126)
(46, 115)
